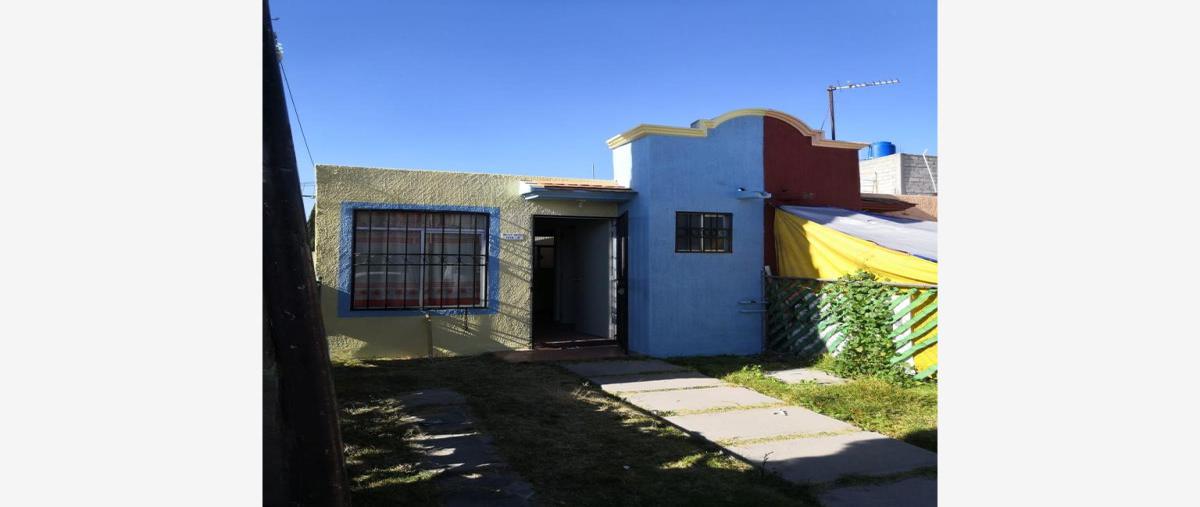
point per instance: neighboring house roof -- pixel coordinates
(917, 207)
(915, 237)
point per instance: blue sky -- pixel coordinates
(536, 87)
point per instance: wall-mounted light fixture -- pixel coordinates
(742, 193)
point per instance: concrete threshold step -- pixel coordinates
(621, 367)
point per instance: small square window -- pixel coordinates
(701, 232)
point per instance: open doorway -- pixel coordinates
(573, 282)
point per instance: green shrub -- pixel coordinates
(861, 307)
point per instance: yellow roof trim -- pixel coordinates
(700, 128)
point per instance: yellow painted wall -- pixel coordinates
(379, 337)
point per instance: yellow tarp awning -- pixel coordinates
(807, 249)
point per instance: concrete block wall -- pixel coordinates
(915, 177)
(879, 175)
(898, 174)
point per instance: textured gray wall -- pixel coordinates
(915, 178)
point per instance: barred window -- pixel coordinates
(419, 260)
(697, 232)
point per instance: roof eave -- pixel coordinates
(700, 128)
(547, 194)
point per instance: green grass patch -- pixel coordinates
(574, 443)
(908, 413)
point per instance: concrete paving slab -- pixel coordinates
(472, 471)
(654, 381)
(697, 399)
(759, 423)
(823, 459)
(442, 419)
(466, 452)
(914, 492)
(798, 375)
(622, 367)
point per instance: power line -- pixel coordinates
(296, 110)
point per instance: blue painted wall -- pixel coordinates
(687, 303)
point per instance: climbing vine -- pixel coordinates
(861, 306)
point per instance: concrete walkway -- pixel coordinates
(471, 472)
(798, 444)
(799, 375)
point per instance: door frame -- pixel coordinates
(621, 263)
(616, 300)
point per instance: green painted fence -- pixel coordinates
(798, 322)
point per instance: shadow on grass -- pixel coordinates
(383, 469)
(922, 438)
(575, 444)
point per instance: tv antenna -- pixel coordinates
(832, 88)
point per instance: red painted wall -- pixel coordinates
(796, 172)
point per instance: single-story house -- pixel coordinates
(664, 260)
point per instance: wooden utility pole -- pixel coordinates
(302, 445)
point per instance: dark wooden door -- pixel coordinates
(623, 281)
